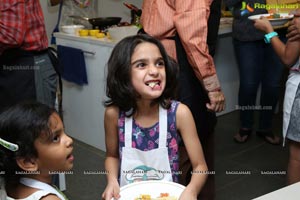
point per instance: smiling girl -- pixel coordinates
(143, 125)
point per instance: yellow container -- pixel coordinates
(83, 32)
(100, 35)
(93, 32)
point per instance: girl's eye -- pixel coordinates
(56, 138)
(140, 65)
(160, 63)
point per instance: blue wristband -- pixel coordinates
(269, 36)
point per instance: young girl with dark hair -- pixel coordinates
(143, 124)
(33, 147)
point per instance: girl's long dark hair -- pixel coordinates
(119, 89)
(22, 125)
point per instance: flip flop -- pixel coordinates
(269, 137)
(242, 136)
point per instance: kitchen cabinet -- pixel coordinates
(83, 111)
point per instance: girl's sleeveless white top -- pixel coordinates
(35, 196)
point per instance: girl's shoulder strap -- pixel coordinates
(174, 106)
(43, 187)
(37, 195)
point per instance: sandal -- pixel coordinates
(242, 136)
(269, 137)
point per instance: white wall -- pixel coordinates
(115, 8)
(50, 15)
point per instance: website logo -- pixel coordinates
(290, 6)
(246, 8)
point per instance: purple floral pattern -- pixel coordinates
(146, 139)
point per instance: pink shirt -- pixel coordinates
(163, 18)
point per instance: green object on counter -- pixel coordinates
(137, 21)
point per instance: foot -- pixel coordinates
(269, 137)
(242, 136)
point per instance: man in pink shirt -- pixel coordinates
(182, 28)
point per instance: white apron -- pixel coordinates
(140, 165)
(42, 186)
(290, 93)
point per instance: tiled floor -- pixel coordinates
(253, 158)
(241, 169)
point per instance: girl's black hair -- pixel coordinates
(119, 89)
(21, 124)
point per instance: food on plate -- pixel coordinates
(274, 16)
(143, 197)
(163, 196)
(276, 19)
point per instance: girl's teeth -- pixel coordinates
(152, 84)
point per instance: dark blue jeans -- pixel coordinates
(258, 64)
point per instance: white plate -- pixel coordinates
(153, 188)
(284, 18)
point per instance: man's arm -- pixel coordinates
(191, 24)
(12, 25)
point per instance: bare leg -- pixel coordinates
(293, 173)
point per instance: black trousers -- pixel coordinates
(16, 78)
(213, 26)
(26, 76)
(192, 93)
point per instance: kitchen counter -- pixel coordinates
(224, 28)
(86, 39)
(83, 105)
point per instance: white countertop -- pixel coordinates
(224, 28)
(86, 39)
